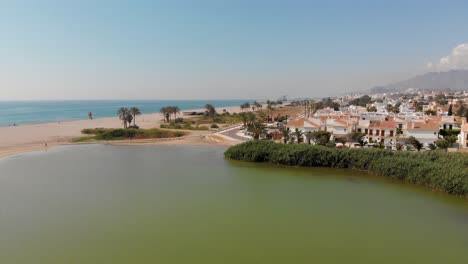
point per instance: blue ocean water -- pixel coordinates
(27, 112)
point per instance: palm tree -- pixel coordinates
(129, 118)
(134, 111)
(166, 113)
(245, 105)
(309, 135)
(247, 118)
(286, 134)
(298, 133)
(244, 118)
(256, 105)
(257, 128)
(175, 110)
(270, 110)
(210, 110)
(123, 114)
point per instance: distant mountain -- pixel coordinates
(455, 80)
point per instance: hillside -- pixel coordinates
(456, 80)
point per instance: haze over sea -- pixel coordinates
(28, 112)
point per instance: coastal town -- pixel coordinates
(420, 121)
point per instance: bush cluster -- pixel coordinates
(437, 170)
(185, 126)
(118, 134)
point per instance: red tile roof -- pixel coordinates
(429, 126)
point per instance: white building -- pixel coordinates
(424, 132)
(463, 136)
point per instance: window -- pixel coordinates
(377, 132)
(370, 132)
(359, 130)
(383, 133)
(400, 126)
(366, 131)
(391, 133)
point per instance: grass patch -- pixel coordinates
(122, 134)
(184, 126)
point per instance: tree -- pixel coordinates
(244, 106)
(210, 110)
(394, 109)
(257, 105)
(175, 110)
(399, 146)
(442, 144)
(418, 145)
(371, 109)
(461, 110)
(430, 112)
(414, 142)
(166, 111)
(270, 109)
(297, 134)
(432, 146)
(308, 136)
(321, 137)
(257, 128)
(451, 139)
(244, 118)
(328, 102)
(357, 137)
(362, 101)
(134, 111)
(247, 118)
(450, 111)
(129, 118)
(123, 114)
(286, 134)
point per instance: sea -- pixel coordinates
(31, 112)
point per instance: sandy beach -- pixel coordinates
(26, 138)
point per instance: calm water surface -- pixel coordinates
(157, 204)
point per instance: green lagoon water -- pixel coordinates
(158, 204)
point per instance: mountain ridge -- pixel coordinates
(454, 80)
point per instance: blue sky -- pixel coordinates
(218, 49)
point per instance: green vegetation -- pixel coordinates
(438, 170)
(362, 101)
(127, 116)
(121, 134)
(257, 128)
(450, 137)
(168, 111)
(183, 125)
(430, 112)
(210, 110)
(394, 108)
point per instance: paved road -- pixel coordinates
(232, 134)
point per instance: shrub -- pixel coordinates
(438, 170)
